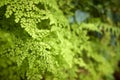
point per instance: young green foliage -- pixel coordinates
(38, 43)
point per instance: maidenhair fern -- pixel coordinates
(38, 43)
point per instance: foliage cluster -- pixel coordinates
(59, 39)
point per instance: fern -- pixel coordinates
(38, 43)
